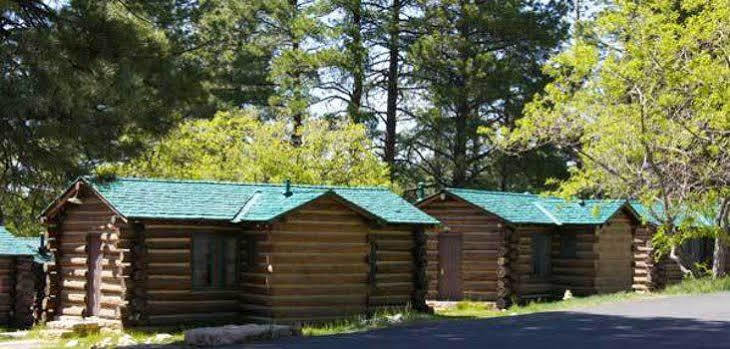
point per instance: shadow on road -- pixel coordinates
(545, 330)
(560, 330)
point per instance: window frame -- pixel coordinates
(571, 250)
(536, 269)
(219, 237)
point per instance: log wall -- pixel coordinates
(165, 293)
(524, 282)
(394, 270)
(313, 266)
(614, 255)
(482, 237)
(7, 289)
(497, 260)
(578, 273)
(320, 262)
(67, 241)
(648, 273)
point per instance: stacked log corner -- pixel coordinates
(136, 295)
(25, 292)
(504, 282)
(53, 282)
(420, 279)
(7, 289)
(651, 274)
(21, 291)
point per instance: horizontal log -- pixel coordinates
(394, 256)
(176, 307)
(169, 269)
(311, 258)
(341, 289)
(308, 268)
(74, 310)
(176, 243)
(390, 300)
(331, 236)
(168, 256)
(318, 247)
(188, 295)
(280, 278)
(307, 311)
(483, 296)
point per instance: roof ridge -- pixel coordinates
(248, 184)
(514, 193)
(531, 195)
(547, 213)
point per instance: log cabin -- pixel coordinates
(652, 273)
(21, 276)
(141, 252)
(506, 247)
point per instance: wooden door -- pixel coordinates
(93, 276)
(449, 281)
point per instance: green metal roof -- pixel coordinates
(243, 202)
(11, 245)
(643, 211)
(528, 208)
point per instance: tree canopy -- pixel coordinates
(478, 62)
(642, 98)
(237, 146)
(82, 83)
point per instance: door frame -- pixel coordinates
(459, 263)
(94, 265)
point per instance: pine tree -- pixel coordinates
(478, 63)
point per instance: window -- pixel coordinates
(540, 254)
(215, 258)
(568, 246)
(251, 251)
(700, 250)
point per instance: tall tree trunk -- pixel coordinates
(685, 263)
(296, 138)
(357, 51)
(462, 109)
(459, 150)
(719, 257)
(392, 99)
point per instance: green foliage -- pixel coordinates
(642, 99)
(82, 82)
(238, 146)
(478, 62)
(699, 286)
(381, 319)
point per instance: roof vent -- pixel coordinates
(75, 198)
(287, 188)
(581, 202)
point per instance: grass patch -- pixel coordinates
(382, 319)
(108, 338)
(699, 286)
(470, 309)
(112, 339)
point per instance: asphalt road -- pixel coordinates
(673, 322)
